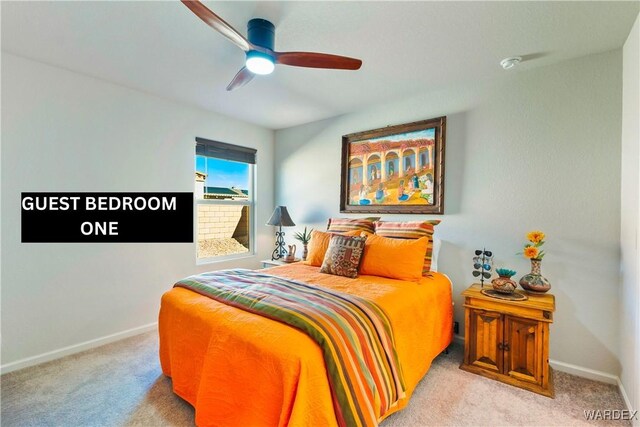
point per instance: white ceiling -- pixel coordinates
(406, 47)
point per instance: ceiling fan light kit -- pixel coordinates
(261, 57)
(259, 63)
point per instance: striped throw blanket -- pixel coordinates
(354, 334)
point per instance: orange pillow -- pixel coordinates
(410, 230)
(394, 258)
(320, 242)
(317, 247)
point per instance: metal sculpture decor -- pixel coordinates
(482, 264)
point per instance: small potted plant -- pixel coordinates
(304, 238)
(503, 283)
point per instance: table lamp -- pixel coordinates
(280, 217)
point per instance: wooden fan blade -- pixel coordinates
(243, 77)
(218, 24)
(317, 60)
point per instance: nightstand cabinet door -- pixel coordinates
(522, 349)
(485, 333)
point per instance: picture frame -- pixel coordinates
(394, 170)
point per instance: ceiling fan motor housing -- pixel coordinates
(261, 33)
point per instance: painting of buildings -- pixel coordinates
(392, 170)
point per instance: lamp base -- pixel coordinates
(279, 252)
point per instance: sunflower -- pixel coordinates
(535, 236)
(531, 252)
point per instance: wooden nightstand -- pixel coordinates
(508, 341)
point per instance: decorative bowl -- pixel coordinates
(504, 284)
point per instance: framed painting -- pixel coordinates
(394, 170)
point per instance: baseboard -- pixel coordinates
(583, 372)
(72, 349)
(636, 421)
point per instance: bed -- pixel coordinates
(238, 368)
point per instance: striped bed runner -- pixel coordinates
(354, 334)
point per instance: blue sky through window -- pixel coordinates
(223, 173)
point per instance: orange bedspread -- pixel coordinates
(239, 369)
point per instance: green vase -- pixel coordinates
(535, 282)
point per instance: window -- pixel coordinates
(224, 200)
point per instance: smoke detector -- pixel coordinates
(511, 62)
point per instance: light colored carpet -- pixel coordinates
(121, 384)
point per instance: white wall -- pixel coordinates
(630, 220)
(63, 131)
(539, 149)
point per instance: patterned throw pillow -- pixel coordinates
(343, 256)
(342, 225)
(320, 243)
(410, 230)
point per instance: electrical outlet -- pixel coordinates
(456, 328)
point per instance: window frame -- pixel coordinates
(250, 202)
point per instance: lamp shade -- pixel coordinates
(280, 217)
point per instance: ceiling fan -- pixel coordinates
(260, 56)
